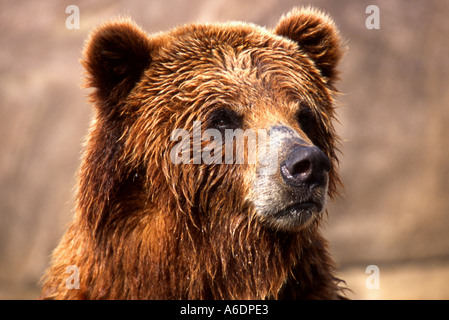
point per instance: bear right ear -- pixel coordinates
(115, 57)
(316, 34)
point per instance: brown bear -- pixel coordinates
(151, 225)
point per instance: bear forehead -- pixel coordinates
(235, 34)
(233, 56)
(228, 44)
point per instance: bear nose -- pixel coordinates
(305, 166)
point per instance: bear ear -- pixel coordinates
(316, 34)
(115, 57)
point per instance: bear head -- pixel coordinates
(170, 108)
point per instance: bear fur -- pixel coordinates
(146, 228)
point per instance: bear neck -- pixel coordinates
(246, 260)
(180, 259)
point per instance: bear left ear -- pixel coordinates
(115, 57)
(316, 34)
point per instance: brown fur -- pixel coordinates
(145, 228)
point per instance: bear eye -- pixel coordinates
(223, 119)
(307, 121)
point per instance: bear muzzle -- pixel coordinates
(296, 193)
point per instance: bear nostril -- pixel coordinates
(302, 167)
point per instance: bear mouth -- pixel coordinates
(297, 215)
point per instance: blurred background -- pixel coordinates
(394, 121)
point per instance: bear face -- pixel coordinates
(209, 162)
(243, 76)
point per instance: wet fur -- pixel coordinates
(145, 228)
